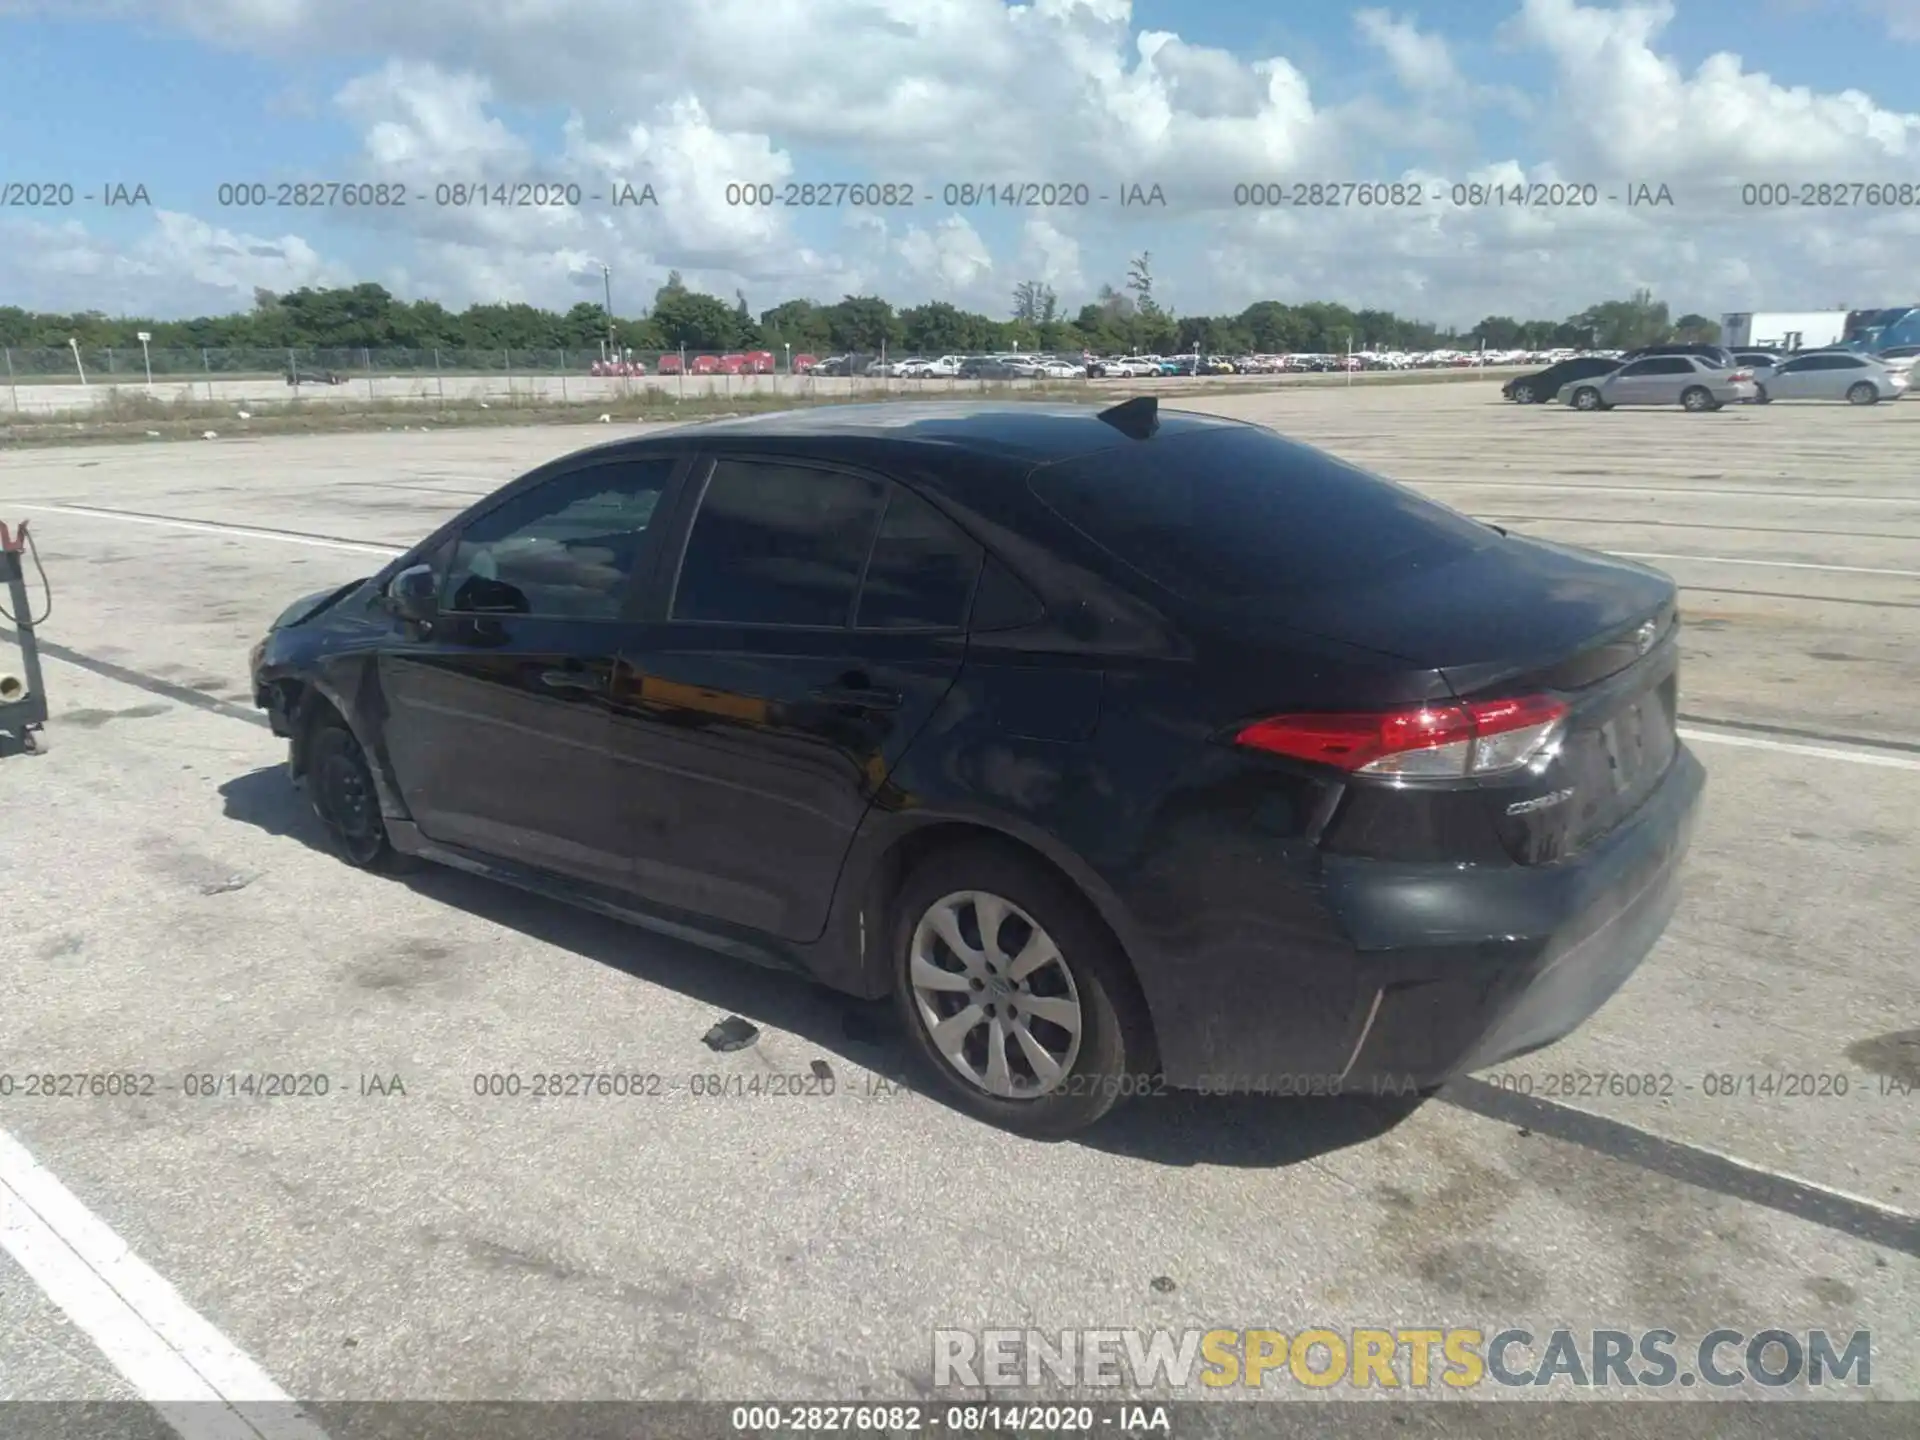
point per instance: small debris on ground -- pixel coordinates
(732, 1033)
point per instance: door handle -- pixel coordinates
(857, 697)
(572, 680)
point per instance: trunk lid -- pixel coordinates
(1524, 616)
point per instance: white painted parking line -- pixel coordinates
(1765, 564)
(212, 527)
(1789, 747)
(197, 1380)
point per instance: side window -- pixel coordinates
(921, 573)
(1639, 367)
(566, 549)
(1672, 365)
(777, 544)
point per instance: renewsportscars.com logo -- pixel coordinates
(1404, 1358)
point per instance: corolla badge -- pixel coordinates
(1540, 802)
(1643, 637)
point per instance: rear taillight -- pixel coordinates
(1481, 737)
(1743, 375)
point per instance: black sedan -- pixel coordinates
(1540, 387)
(1122, 749)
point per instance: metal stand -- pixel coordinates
(23, 698)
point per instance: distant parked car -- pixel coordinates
(705, 365)
(670, 365)
(1836, 375)
(1719, 354)
(315, 377)
(1542, 387)
(1693, 382)
(804, 364)
(986, 367)
(1762, 363)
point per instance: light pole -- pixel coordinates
(789, 349)
(146, 359)
(74, 345)
(606, 279)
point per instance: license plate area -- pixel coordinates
(1616, 762)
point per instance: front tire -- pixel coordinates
(1015, 995)
(1523, 394)
(340, 784)
(1862, 394)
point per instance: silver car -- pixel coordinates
(1689, 381)
(1835, 375)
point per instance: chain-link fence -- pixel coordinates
(121, 365)
(49, 381)
(44, 380)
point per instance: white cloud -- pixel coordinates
(1052, 256)
(689, 97)
(1421, 61)
(949, 255)
(1633, 113)
(181, 265)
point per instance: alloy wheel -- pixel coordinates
(995, 995)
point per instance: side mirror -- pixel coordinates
(415, 594)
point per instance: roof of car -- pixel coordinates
(1032, 433)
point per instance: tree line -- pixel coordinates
(1125, 318)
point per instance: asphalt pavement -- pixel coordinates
(1733, 1142)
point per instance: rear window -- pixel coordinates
(1239, 513)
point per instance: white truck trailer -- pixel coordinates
(1782, 329)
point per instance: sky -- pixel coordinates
(139, 138)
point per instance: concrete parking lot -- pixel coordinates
(171, 912)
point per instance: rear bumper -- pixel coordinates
(1438, 972)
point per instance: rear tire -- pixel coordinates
(1698, 399)
(340, 784)
(966, 1004)
(1760, 396)
(1862, 394)
(1587, 398)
